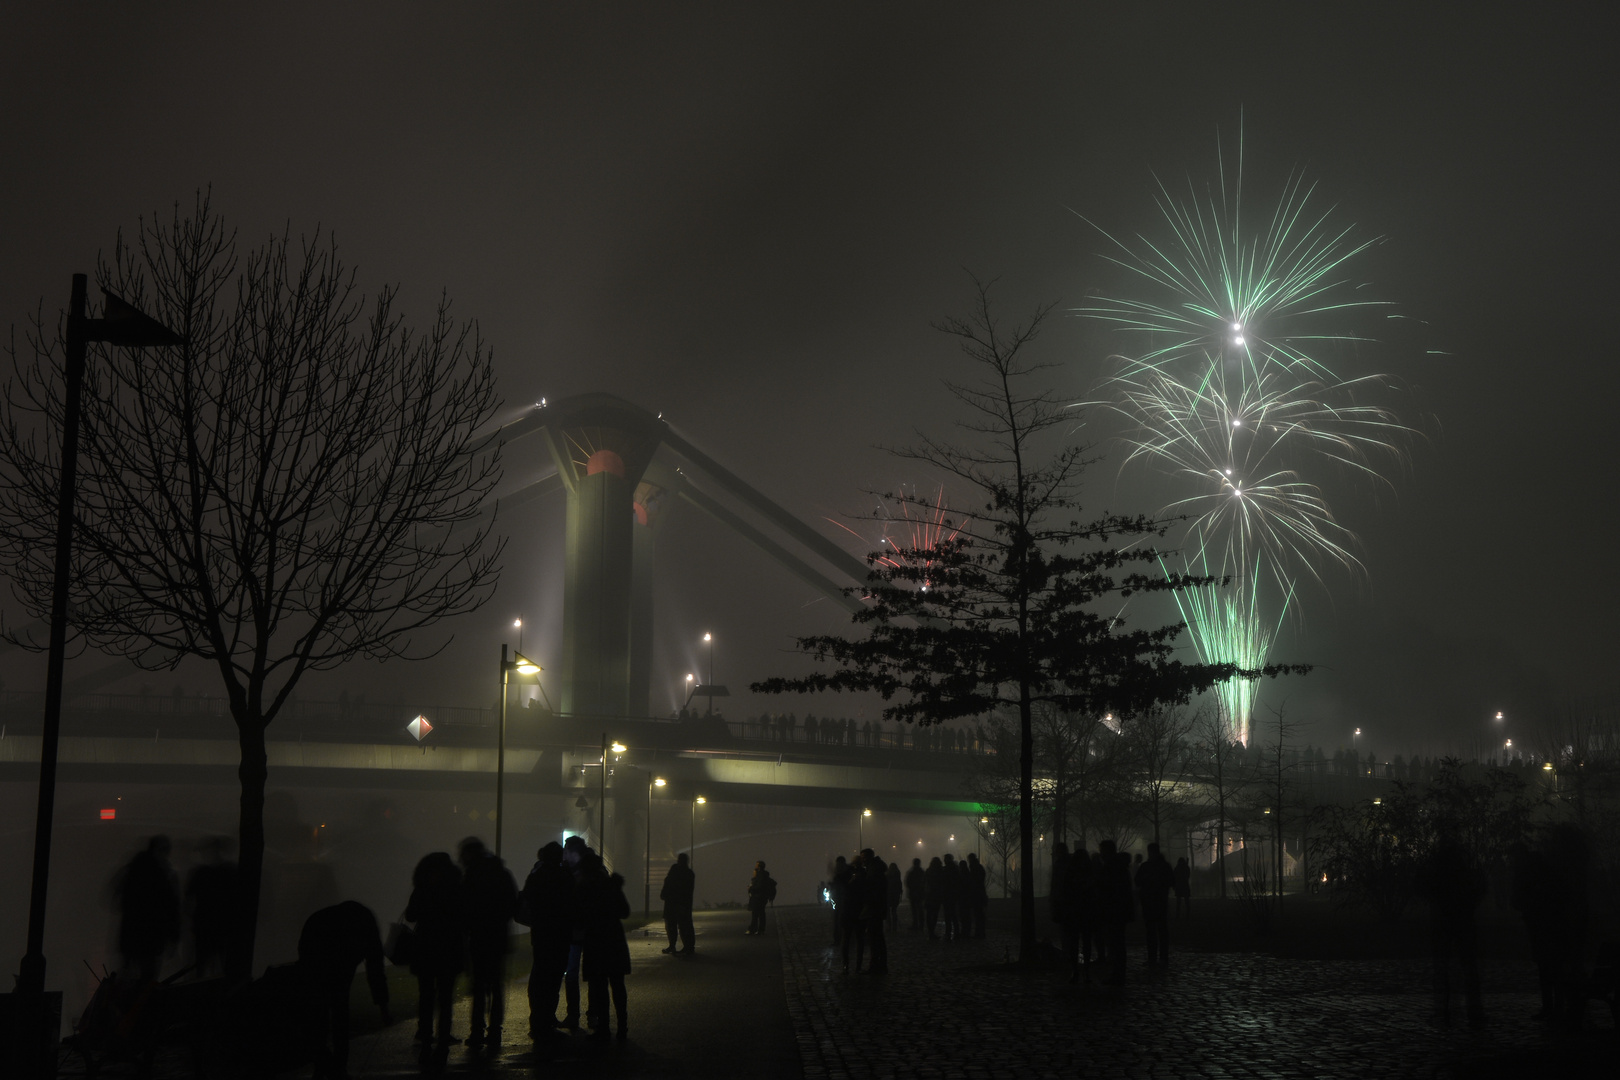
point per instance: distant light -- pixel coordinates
(1238, 340)
(1499, 716)
(1358, 731)
(540, 404)
(419, 728)
(701, 800)
(1545, 768)
(517, 622)
(689, 678)
(866, 813)
(618, 748)
(1228, 472)
(1237, 423)
(109, 814)
(658, 782)
(705, 637)
(1510, 742)
(1378, 802)
(953, 838)
(1237, 326)
(919, 843)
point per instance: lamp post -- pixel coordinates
(601, 796)
(646, 899)
(979, 848)
(123, 325)
(709, 640)
(691, 840)
(860, 831)
(523, 666)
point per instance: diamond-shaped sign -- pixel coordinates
(419, 728)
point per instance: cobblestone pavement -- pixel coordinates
(950, 1011)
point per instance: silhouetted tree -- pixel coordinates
(1017, 606)
(1154, 743)
(1378, 851)
(285, 492)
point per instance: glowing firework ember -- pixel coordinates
(913, 530)
(1231, 394)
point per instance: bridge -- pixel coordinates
(149, 739)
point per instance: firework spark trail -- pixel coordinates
(1232, 397)
(915, 535)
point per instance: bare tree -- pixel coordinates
(1154, 747)
(290, 489)
(1220, 769)
(1276, 783)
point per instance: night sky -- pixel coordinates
(747, 217)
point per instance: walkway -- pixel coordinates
(780, 1007)
(950, 1011)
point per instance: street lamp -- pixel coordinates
(601, 796)
(123, 325)
(708, 639)
(646, 898)
(691, 840)
(979, 848)
(860, 831)
(523, 666)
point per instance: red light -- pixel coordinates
(108, 815)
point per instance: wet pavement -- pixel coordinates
(781, 1005)
(958, 1010)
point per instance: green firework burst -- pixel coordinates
(1231, 391)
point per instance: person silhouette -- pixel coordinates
(1116, 907)
(602, 907)
(933, 894)
(1183, 888)
(761, 891)
(1063, 900)
(978, 895)
(1455, 886)
(873, 913)
(679, 885)
(896, 888)
(439, 949)
(334, 942)
(149, 910)
(914, 893)
(1154, 880)
(951, 898)
(548, 901)
(489, 900)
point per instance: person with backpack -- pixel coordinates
(761, 891)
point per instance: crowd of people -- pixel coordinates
(843, 731)
(1094, 896)
(947, 900)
